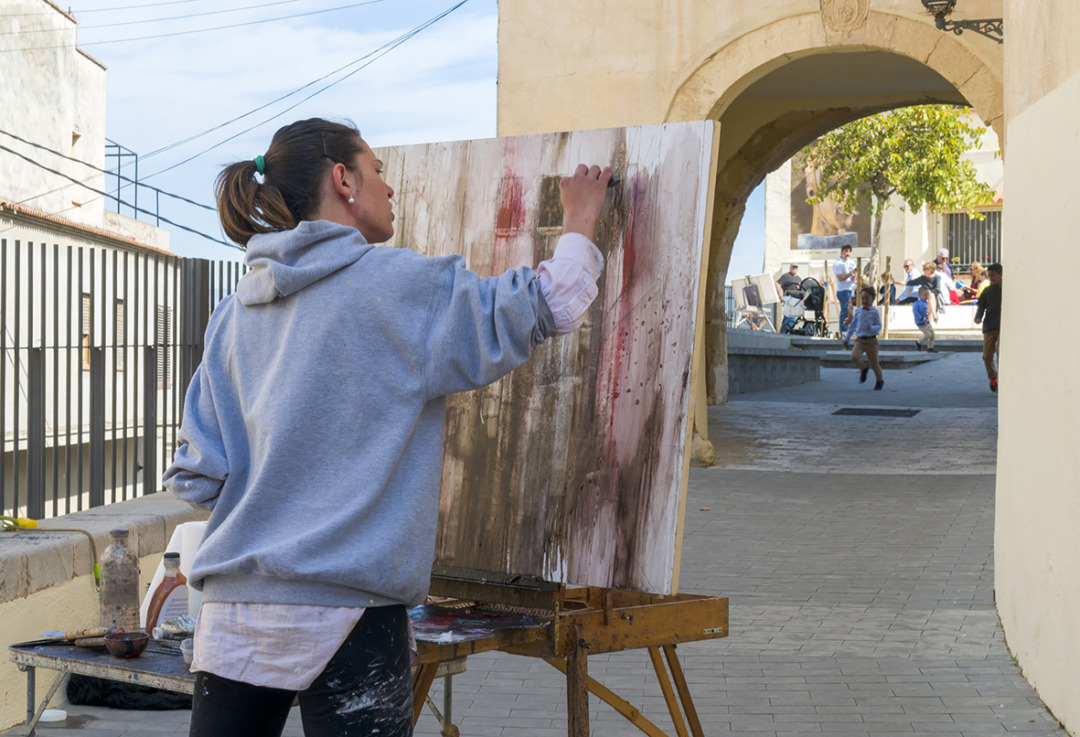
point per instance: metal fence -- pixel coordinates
(98, 345)
(969, 239)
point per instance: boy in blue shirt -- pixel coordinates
(921, 309)
(866, 324)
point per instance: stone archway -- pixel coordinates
(885, 61)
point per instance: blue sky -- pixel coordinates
(439, 85)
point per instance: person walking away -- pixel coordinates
(988, 314)
(313, 429)
(865, 325)
(921, 309)
(844, 269)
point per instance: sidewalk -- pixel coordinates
(860, 587)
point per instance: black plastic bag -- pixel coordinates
(91, 691)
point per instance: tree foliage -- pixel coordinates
(914, 152)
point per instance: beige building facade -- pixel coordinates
(778, 73)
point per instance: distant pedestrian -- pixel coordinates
(942, 261)
(866, 324)
(844, 270)
(988, 314)
(921, 309)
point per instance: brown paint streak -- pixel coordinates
(564, 469)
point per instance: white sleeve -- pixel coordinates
(568, 280)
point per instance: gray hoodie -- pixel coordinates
(314, 426)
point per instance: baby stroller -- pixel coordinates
(813, 300)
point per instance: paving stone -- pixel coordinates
(861, 593)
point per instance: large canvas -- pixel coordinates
(572, 468)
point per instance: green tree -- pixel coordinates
(915, 152)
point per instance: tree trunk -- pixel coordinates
(871, 275)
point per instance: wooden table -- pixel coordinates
(443, 637)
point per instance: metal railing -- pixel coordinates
(969, 239)
(96, 350)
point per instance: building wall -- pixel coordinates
(1036, 546)
(53, 96)
(566, 65)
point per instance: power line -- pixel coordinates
(120, 176)
(384, 49)
(106, 194)
(198, 30)
(387, 46)
(135, 7)
(154, 20)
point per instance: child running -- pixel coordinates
(865, 325)
(921, 310)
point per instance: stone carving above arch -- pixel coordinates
(843, 16)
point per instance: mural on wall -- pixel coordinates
(826, 224)
(572, 468)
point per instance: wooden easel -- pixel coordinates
(581, 622)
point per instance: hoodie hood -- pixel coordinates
(285, 262)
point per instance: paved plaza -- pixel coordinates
(857, 555)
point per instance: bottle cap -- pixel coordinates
(172, 556)
(119, 532)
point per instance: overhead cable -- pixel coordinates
(381, 51)
(106, 194)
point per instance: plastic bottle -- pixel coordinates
(170, 597)
(120, 584)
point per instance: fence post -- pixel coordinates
(151, 481)
(97, 427)
(35, 472)
(195, 314)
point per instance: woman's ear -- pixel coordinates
(342, 180)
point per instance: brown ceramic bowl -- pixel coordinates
(127, 644)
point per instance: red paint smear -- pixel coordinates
(511, 216)
(623, 325)
(510, 221)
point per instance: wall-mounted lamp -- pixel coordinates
(992, 28)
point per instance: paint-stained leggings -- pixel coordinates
(365, 689)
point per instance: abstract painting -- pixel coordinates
(573, 467)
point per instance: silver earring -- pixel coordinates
(351, 200)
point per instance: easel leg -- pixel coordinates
(422, 680)
(669, 694)
(684, 691)
(615, 701)
(577, 689)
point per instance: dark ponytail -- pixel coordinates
(294, 167)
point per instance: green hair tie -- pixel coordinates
(260, 164)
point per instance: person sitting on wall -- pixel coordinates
(887, 282)
(931, 281)
(910, 291)
(971, 291)
(942, 260)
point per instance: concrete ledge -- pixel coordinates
(34, 560)
(887, 359)
(758, 369)
(944, 345)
